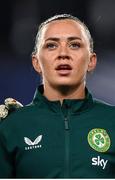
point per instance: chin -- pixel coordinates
(64, 81)
(64, 84)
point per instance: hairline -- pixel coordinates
(59, 18)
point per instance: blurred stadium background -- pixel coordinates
(19, 20)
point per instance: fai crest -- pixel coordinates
(99, 140)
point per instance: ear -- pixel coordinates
(36, 65)
(92, 62)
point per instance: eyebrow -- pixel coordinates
(58, 39)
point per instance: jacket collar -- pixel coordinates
(73, 105)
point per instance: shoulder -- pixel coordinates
(102, 105)
(18, 116)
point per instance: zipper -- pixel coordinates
(66, 170)
(66, 123)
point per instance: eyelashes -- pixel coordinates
(71, 45)
(74, 45)
(51, 46)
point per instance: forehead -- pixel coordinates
(63, 28)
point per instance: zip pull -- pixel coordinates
(66, 123)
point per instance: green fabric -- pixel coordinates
(47, 140)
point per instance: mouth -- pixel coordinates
(63, 69)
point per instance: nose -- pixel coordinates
(63, 52)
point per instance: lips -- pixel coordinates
(63, 67)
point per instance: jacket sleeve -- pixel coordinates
(6, 162)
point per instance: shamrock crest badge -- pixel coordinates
(99, 140)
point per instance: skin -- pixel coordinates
(64, 42)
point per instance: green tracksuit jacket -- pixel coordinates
(47, 140)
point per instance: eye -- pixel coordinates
(51, 46)
(74, 45)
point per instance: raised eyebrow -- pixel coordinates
(52, 39)
(58, 39)
(74, 38)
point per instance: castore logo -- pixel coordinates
(33, 144)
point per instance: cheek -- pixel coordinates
(81, 64)
(45, 64)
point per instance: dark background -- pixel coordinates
(19, 20)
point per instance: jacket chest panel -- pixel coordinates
(84, 158)
(65, 150)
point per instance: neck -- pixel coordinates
(64, 92)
